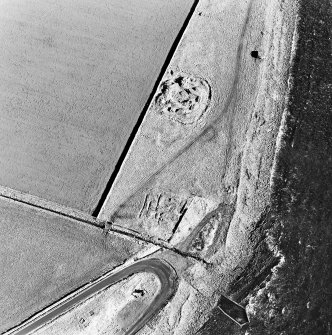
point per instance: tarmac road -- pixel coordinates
(161, 269)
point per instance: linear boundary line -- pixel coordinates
(49, 206)
(76, 215)
(132, 136)
(208, 131)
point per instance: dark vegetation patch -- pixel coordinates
(298, 298)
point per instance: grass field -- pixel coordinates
(75, 77)
(44, 257)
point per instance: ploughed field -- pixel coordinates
(75, 77)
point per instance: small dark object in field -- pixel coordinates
(255, 54)
(138, 292)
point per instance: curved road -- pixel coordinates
(161, 269)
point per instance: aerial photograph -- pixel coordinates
(166, 167)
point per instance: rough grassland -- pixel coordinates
(44, 257)
(295, 297)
